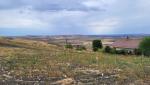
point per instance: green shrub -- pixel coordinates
(97, 44)
(121, 52)
(137, 52)
(107, 49)
(113, 50)
(69, 46)
(81, 48)
(145, 46)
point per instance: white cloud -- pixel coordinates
(75, 16)
(105, 26)
(143, 5)
(93, 3)
(21, 23)
(55, 21)
(98, 3)
(20, 18)
(26, 17)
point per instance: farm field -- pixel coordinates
(28, 62)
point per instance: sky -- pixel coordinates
(71, 17)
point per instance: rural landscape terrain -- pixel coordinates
(44, 60)
(74, 42)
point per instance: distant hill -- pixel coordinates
(85, 37)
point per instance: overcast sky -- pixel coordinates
(59, 17)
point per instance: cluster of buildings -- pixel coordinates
(129, 45)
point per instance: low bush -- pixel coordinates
(107, 49)
(80, 48)
(69, 46)
(113, 50)
(121, 52)
(137, 52)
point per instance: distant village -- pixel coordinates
(125, 45)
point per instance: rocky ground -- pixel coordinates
(82, 77)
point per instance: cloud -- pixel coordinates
(98, 3)
(143, 3)
(74, 16)
(105, 26)
(20, 18)
(51, 22)
(44, 5)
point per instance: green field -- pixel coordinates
(22, 59)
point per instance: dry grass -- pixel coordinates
(32, 58)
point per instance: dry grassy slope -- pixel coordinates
(23, 46)
(28, 58)
(23, 43)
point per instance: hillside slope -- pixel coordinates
(33, 62)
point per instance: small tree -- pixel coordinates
(145, 46)
(107, 49)
(97, 44)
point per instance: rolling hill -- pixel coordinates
(24, 61)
